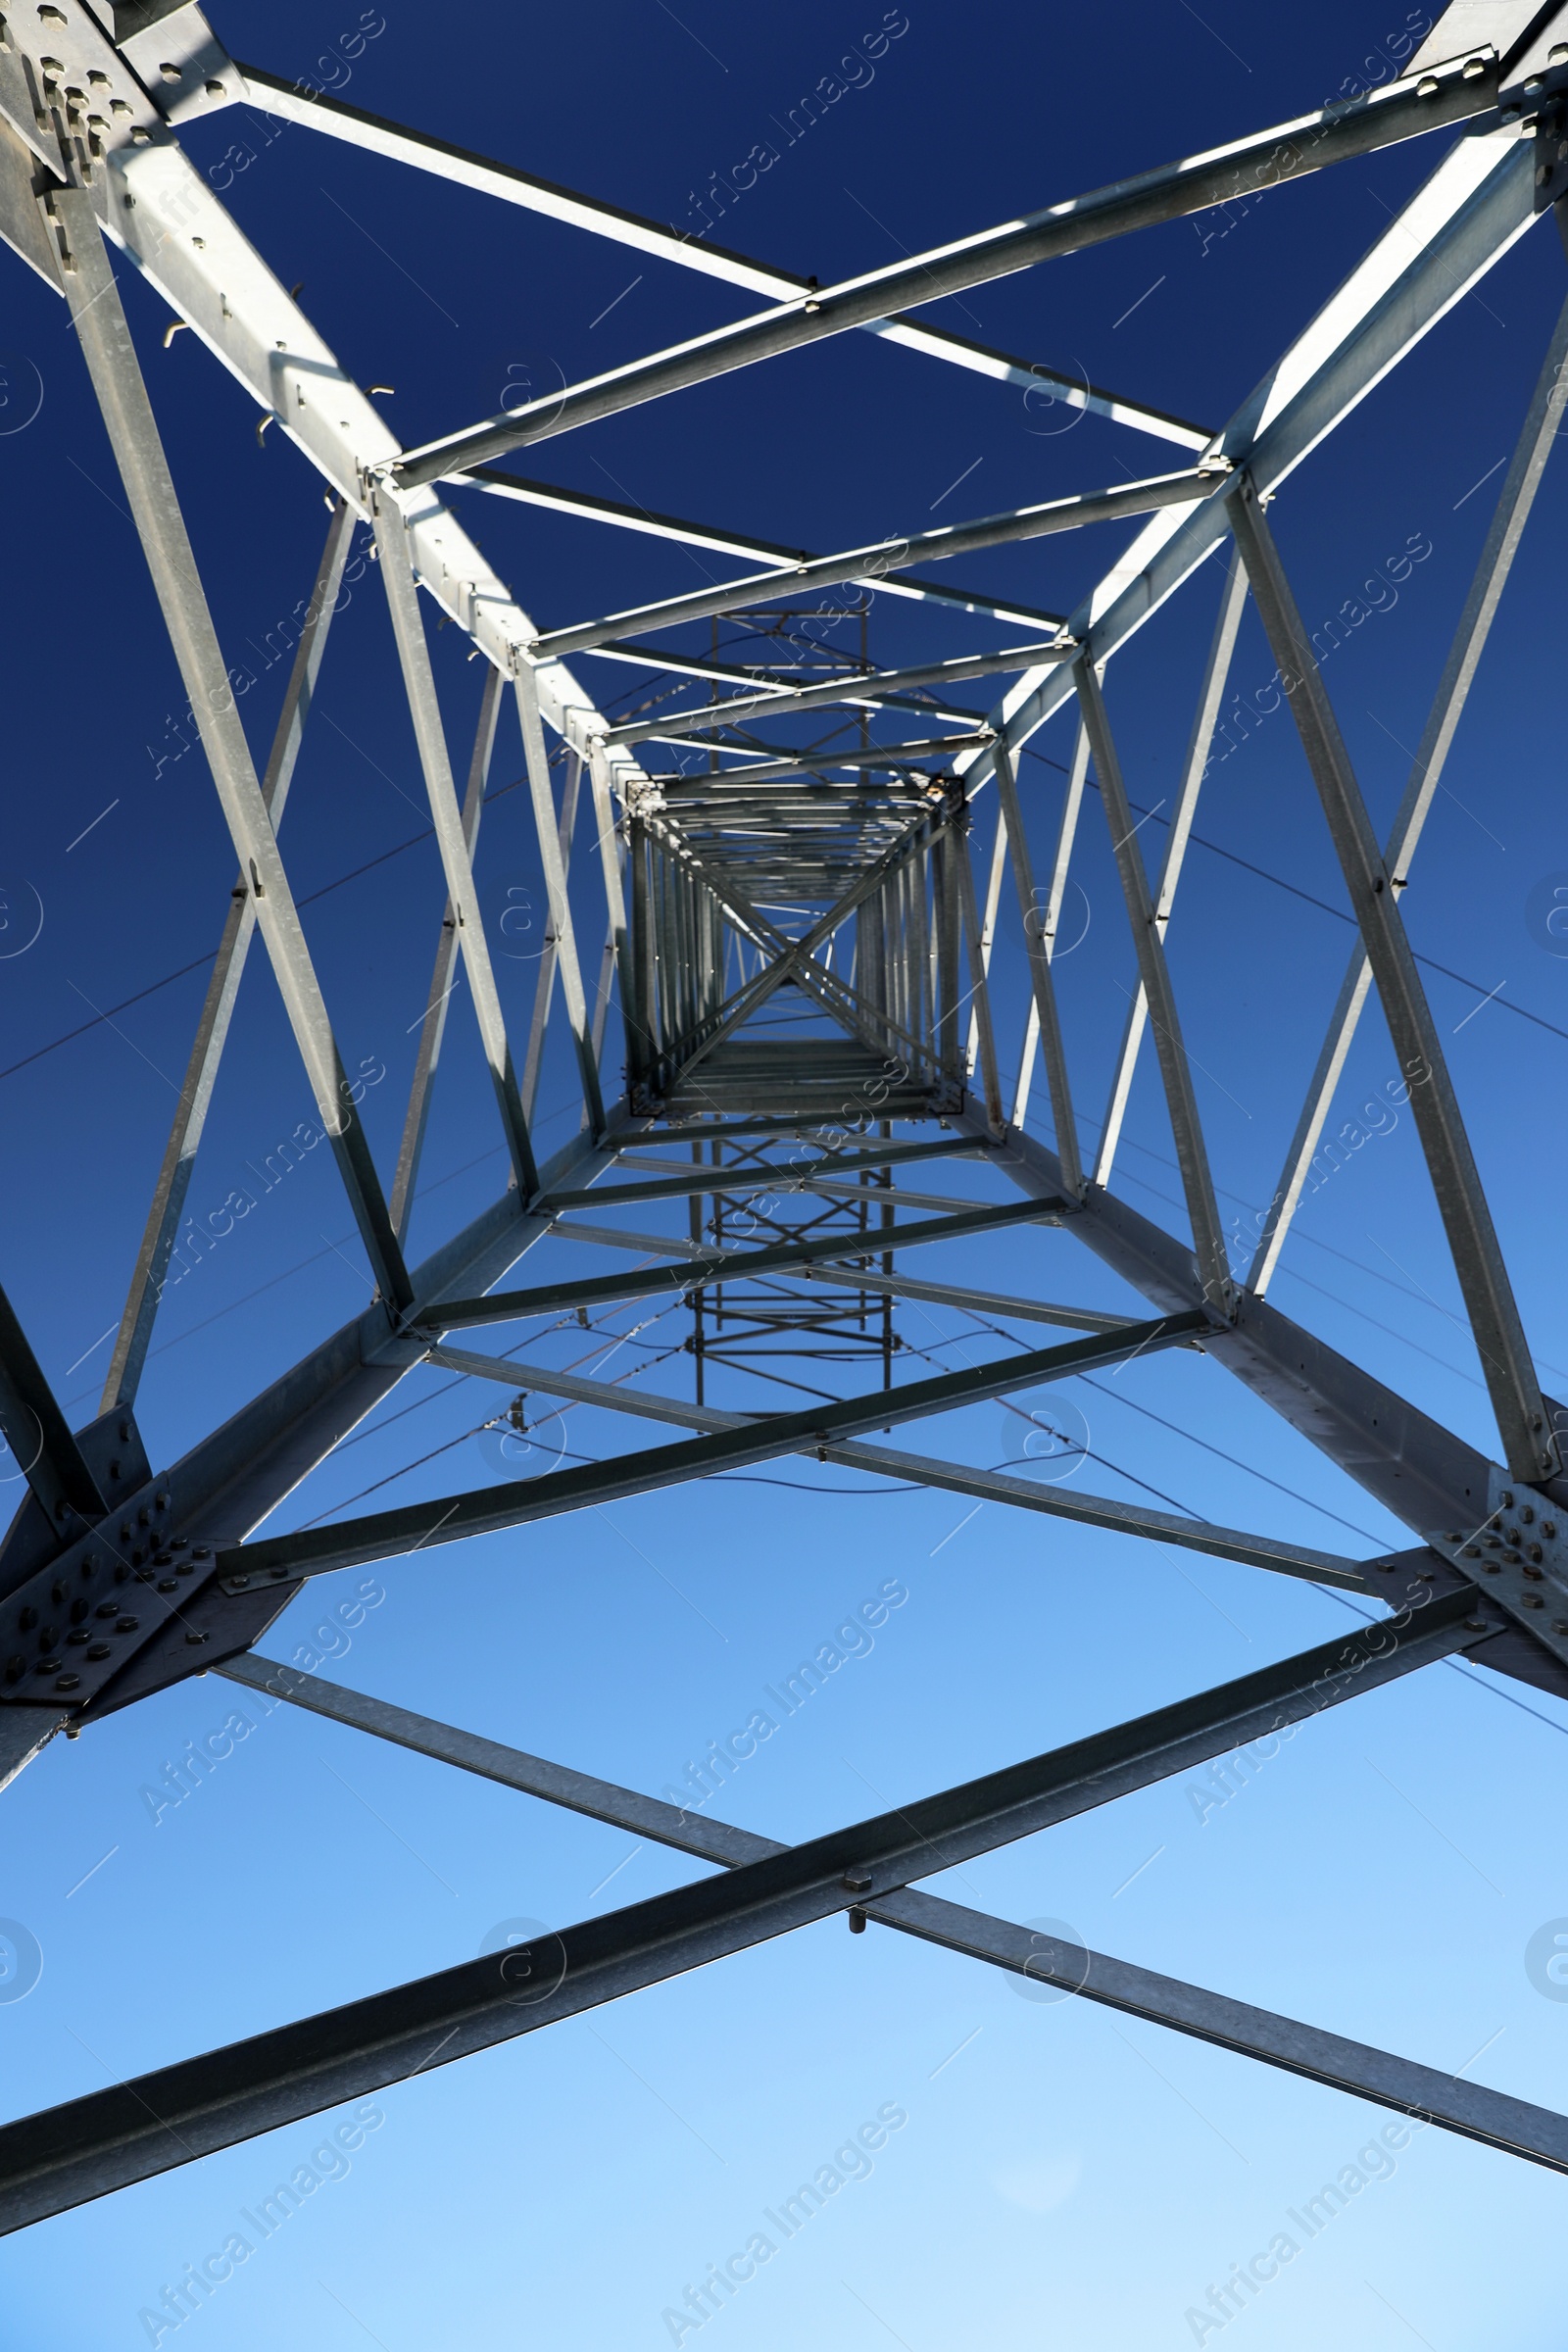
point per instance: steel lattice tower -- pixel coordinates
(783, 1007)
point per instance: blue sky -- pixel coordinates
(1064, 2175)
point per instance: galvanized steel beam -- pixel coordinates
(1458, 92)
(90, 2146)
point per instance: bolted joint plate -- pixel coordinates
(1518, 1557)
(72, 1626)
(68, 90)
(236, 1584)
(1551, 154)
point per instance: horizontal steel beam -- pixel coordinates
(386, 1534)
(946, 1205)
(1426, 2093)
(90, 2146)
(1278, 1555)
(1473, 2111)
(754, 676)
(810, 763)
(893, 1286)
(677, 1182)
(586, 505)
(896, 555)
(768, 702)
(1447, 2100)
(727, 1266)
(958, 1478)
(1460, 92)
(532, 1776)
(295, 102)
(653, 1135)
